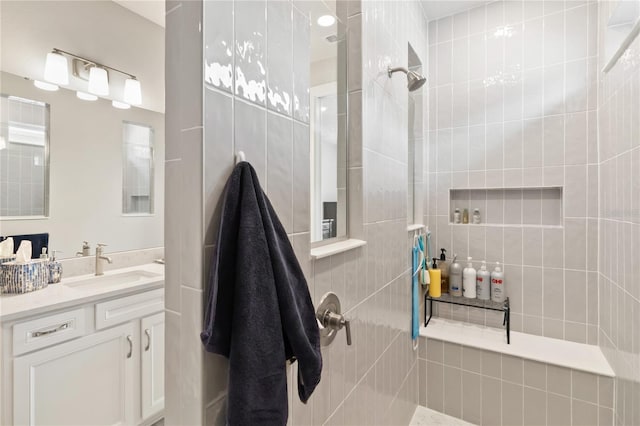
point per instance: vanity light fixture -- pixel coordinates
(45, 86)
(56, 68)
(132, 91)
(86, 96)
(120, 105)
(326, 20)
(98, 81)
(97, 74)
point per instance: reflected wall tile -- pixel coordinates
(250, 52)
(172, 233)
(250, 135)
(279, 168)
(219, 44)
(218, 156)
(192, 353)
(301, 58)
(279, 56)
(192, 234)
(301, 178)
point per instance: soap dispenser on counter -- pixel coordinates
(55, 269)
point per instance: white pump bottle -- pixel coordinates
(497, 284)
(483, 290)
(469, 280)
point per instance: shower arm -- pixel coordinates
(390, 70)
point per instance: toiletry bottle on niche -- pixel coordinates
(455, 277)
(444, 271)
(483, 286)
(476, 216)
(434, 280)
(465, 216)
(497, 284)
(456, 215)
(469, 280)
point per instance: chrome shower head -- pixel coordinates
(414, 80)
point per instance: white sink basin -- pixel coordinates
(131, 277)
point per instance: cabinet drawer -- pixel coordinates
(50, 330)
(127, 308)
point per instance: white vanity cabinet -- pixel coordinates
(82, 382)
(101, 363)
(152, 351)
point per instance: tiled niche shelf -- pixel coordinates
(530, 207)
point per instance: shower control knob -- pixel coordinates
(331, 320)
(337, 322)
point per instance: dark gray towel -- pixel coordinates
(259, 312)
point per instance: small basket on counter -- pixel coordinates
(5, 259)
(18, 278)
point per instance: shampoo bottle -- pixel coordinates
(497, 284)
(469, 280)
(435, 289)
(455, 277)
(444, 271)
(483, 287)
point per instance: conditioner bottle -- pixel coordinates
(483, 288)
(469, 280)
(455, 277)
(497, 284)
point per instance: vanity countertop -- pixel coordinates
(64, 294)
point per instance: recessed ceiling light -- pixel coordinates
(326, 20)
(120, 105)
(86, 96)
(45, 86)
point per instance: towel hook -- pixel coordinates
(240, 157)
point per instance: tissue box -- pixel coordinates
(5, 259)
(24, 277)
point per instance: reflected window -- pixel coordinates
(137, 182)
(24, 164)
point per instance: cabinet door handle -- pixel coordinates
(52, 330)
(148, 334)
(130, 340)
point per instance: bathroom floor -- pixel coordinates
(426, 417)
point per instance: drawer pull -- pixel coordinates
(130, 340)
(51, 331)
(148, 334)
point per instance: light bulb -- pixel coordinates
(98, 81)
(120, 105)
(326, 20)
(132, 92)
(56, 69)
(45, 86)
(86, 96)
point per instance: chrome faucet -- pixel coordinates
(99, 258)
(86, 249)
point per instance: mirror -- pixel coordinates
(137, 170)
(328, 122)
(24, 157)
(86, 170)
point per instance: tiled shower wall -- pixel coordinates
(490, 388)
(513, 105)
(221, 101)
(619, 280)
